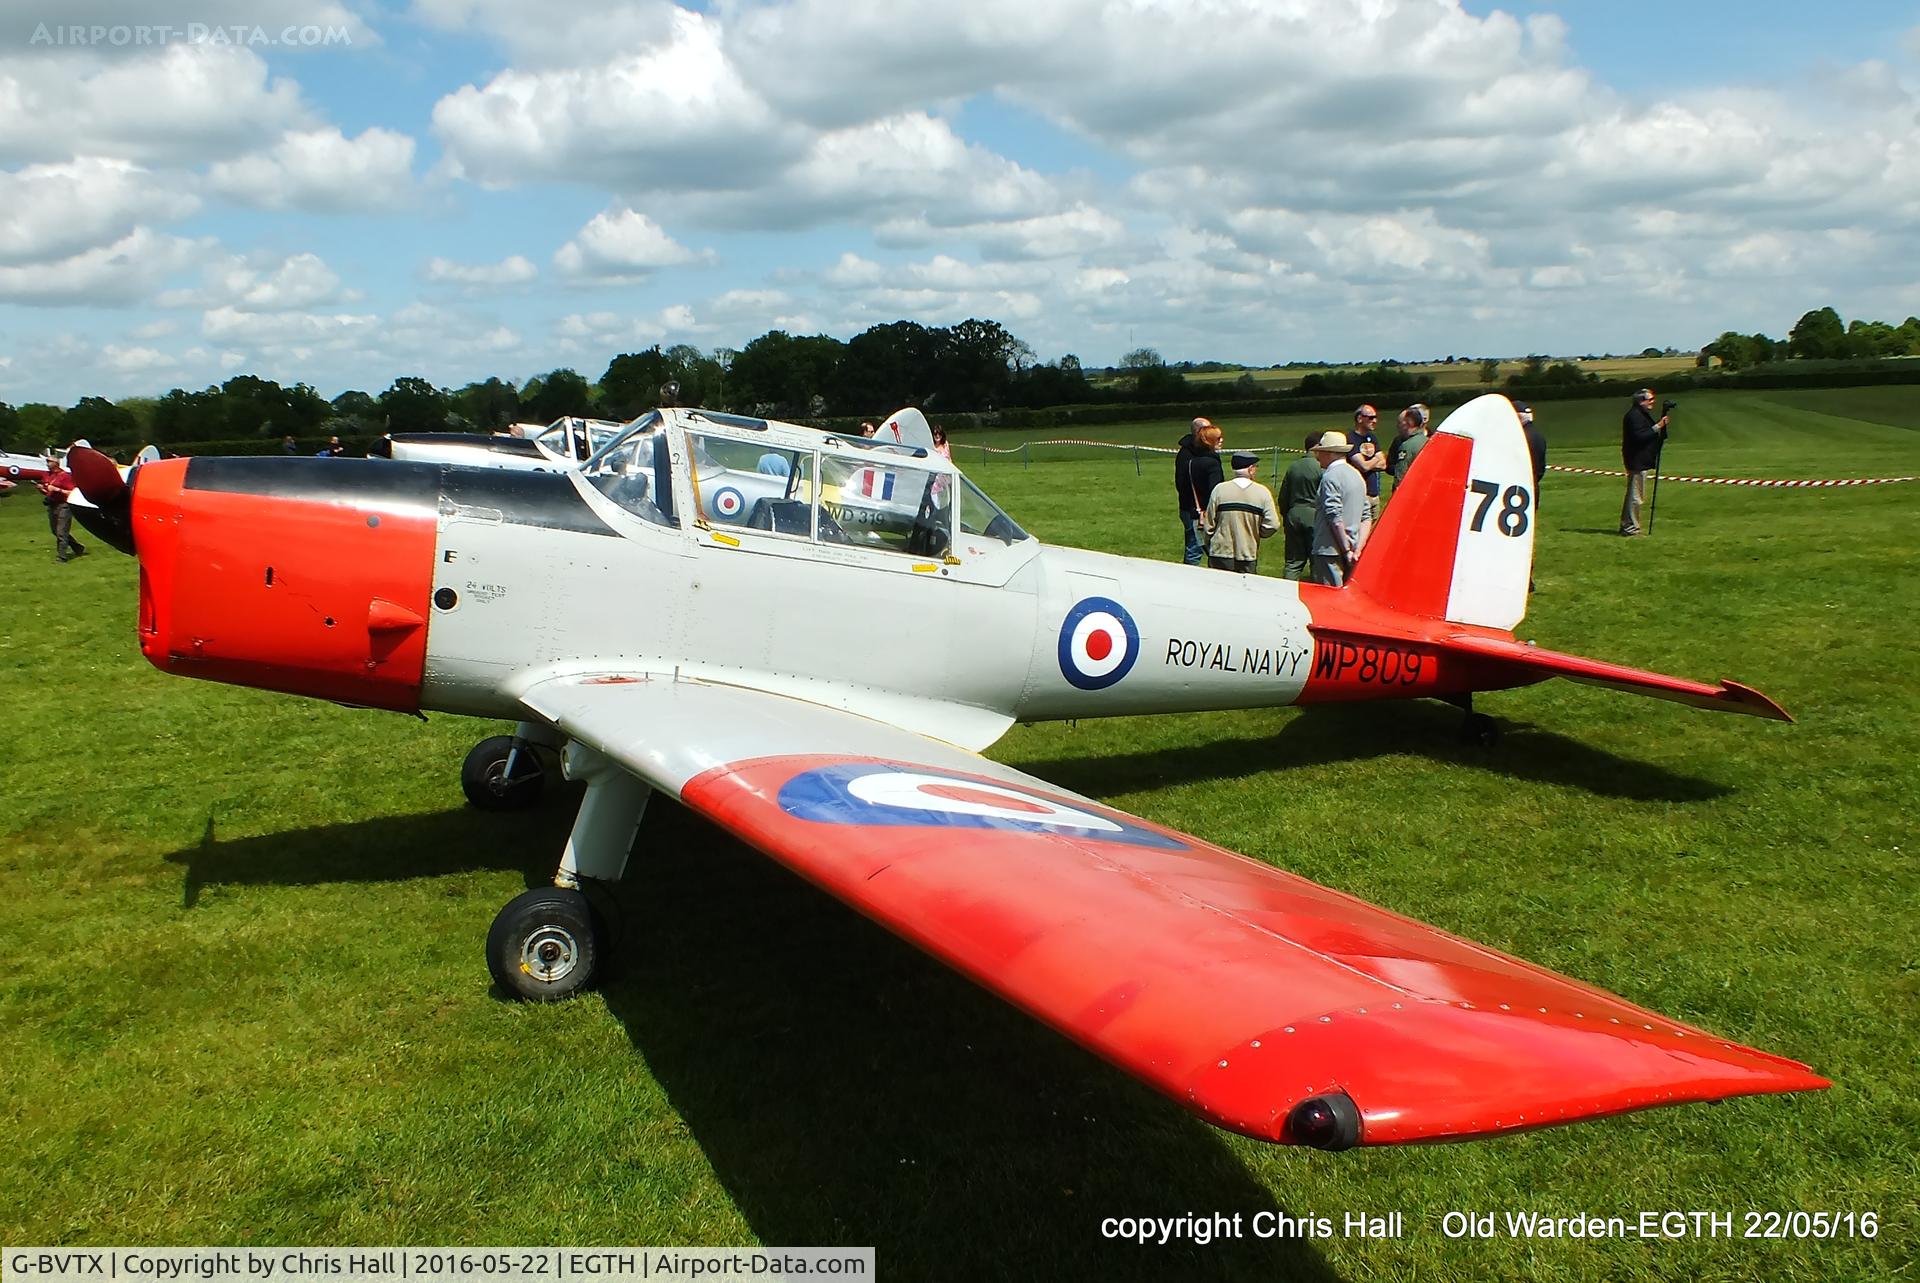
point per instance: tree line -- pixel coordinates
(976, 365)
(1817, 336)
(973, 365)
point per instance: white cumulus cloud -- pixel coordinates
(130, 270)
(671, 112)
(178, 104)
(511, 270)
(53, 211)
(322, 170)
(620, 245)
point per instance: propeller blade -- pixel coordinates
(98, 478)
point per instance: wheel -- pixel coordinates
(1480, 729)
(543, 946)
(484, 778)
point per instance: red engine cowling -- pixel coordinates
(305, 576)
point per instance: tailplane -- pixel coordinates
(1456, 548)
(1456, 542)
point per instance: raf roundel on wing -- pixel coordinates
(879, 794)
(1098, 643)
(728, 502)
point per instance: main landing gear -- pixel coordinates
(1475, 728)
(547, 943)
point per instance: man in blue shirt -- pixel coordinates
(1366, 457)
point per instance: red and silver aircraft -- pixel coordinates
(730, 665)
(24, 467)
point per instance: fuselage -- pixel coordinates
(422, 586)
(24, 467)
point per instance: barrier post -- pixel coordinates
(1136, 460)
(1026, 457)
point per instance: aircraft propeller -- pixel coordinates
(99, 479)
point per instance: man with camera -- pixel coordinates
(1641, 436)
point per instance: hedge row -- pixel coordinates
(1836, 375)
(356, 446)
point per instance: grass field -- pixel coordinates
(246, 1000)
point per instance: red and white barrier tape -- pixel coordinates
(1743, 481)
(1104, 445)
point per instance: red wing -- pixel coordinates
(1227, 984)
(1233, 987)
(1727, 696)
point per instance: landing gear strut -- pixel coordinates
(1476, 728)
(545, 945)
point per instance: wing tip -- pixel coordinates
(1752, 701)
(1450, 1072)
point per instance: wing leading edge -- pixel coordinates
(1244, 992)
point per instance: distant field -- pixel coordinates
(1832, 432)
(1461, 373)
(245, 999)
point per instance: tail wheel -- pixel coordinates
(544, 946)
(498, 777)
(1480, 729)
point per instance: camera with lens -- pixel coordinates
(1668, 407)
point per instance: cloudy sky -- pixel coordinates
(345, 191)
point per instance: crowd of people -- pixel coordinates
(1328, 503)
(1330, 497)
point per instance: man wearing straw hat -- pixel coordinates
(1341, 524)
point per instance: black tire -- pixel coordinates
(1480, 729)
(544, 947)
(483, 776)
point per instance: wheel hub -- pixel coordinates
(549, 954)
(500, 783)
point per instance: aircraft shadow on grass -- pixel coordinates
(845, 1088)
(1327, 734)
(386, 849)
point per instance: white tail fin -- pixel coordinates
(1456, 542)
(907, 427)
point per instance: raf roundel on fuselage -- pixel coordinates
(1098, 643)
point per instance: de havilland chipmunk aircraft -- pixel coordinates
(24, 467)
(733, 666)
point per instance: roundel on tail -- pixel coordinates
(1098, 643)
